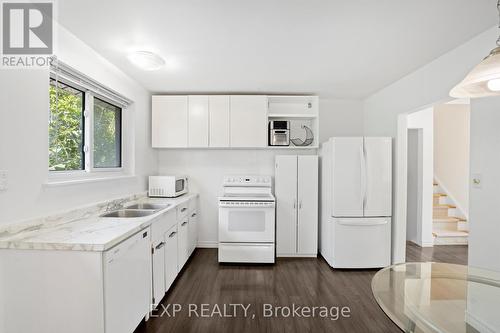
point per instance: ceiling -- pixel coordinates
(339, 48)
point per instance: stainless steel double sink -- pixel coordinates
(137, 210)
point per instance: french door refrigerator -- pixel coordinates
(356, 202)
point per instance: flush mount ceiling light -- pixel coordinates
(146, 60)
(484, 79)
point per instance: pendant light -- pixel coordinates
(484, 79)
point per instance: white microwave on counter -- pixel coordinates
(167, 186)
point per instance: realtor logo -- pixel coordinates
(27, 28)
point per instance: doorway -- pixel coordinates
(432, 146)
(420, 170)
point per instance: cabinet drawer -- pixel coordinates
(182, 210)
(163, 223)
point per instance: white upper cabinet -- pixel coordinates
(248, 121)
(223, 121)
(198, 121)
(169, 121)
(219, 110)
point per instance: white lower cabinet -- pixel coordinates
(183, 242)
(158, 260)
(171, 266)
(159, 227)
(193, 230)
(93, 291)
(174, 238)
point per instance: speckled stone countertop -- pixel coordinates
(83, 229)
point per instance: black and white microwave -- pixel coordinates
(167, 186)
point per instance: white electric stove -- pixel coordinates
(247, 220)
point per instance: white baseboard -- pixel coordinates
(422, 244)
(295, 255)
(208, 244)
(428, 244)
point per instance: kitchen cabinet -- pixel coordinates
(193, 230)
(296, 188)
(182, 242)
(159, 253)
(158, 262)
(223, 121)
(171, 266)
(169, 121)
(187, 230)
(198, 126)
(248, 121)
(127, 283)
(102, 287)
(219, 110)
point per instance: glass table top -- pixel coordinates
(438, 297)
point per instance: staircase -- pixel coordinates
(448, 227)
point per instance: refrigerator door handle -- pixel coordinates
(364, 224)
(363, 174)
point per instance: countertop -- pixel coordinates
(89, 233)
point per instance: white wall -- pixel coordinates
(24, 136)
(206, 168)
(484, 244)
(340, 118)
(426, 86)
(451, 152)
(413, 213)
(423, 120)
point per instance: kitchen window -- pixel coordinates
(107, 134)
(86, 127)
(66, 127)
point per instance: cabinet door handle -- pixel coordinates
(159, 246)
(193, 215)
(183, 210)
(184, 223)
(172, 234)
(300, 204)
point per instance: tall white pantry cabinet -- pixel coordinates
(296, 188)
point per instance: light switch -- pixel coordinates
(3, 180)
(476, 180)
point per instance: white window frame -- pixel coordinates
(92, 89)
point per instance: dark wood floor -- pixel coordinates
(304, 282)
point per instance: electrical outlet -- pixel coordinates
(3, 180)
(476, 180)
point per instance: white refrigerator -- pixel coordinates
(356, 201)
